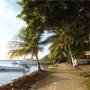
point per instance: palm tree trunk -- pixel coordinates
(70, 54)
(38, 63)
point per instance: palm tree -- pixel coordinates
(65, 40)
(61, 42)
(27, 43)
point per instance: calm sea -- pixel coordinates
(8, 76)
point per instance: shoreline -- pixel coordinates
(25, 82)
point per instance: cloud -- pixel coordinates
(9, 24)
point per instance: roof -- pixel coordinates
(87, 52)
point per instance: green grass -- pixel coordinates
(85, 75)
(52, 66)
(49, 67)
(88, 84)
(87, 81)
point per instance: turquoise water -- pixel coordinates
(9, 76)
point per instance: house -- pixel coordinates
(85, 59)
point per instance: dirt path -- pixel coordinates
(61, 78)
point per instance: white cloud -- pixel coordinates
(9, 25)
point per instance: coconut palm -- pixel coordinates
(66, 40)
(61, 42)
(27, 43)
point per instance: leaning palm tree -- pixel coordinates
(66, 39)
(27, 43)
(61, 42)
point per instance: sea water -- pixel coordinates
(9, 76)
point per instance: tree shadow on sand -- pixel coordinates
(51, 78)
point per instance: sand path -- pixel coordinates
(61, 78)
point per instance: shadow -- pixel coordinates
(48, 80)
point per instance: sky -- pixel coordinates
(10, 26)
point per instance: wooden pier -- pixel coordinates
(6, 68)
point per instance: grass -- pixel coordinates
(86, 75)
(49, 66)
(87, 82)
(84, 71)
(52, 66)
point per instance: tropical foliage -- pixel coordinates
(27, 43)
(68, 21)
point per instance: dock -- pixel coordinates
(7, 68)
